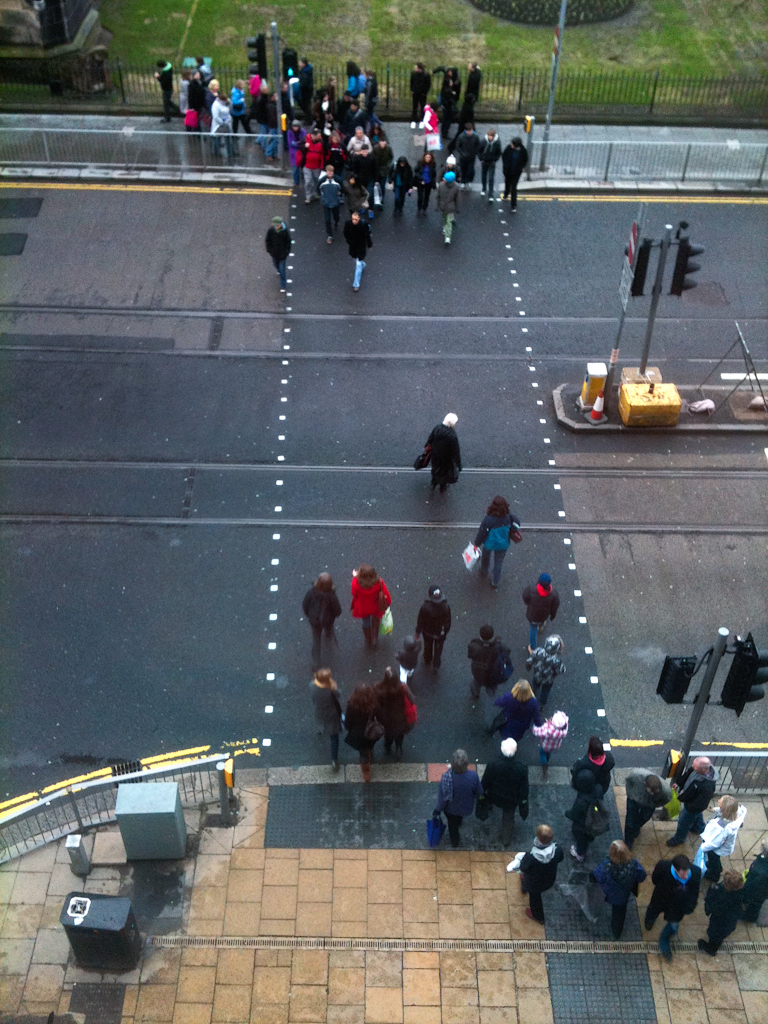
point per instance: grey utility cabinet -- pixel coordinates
(151, 820)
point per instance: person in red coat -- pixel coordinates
(314, 162)
(370, 599)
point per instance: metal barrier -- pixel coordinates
(132, 149)
(737, 772)
(84, 805)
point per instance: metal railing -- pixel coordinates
(130, 149)
(737, 772)
(93, 803)
(506, 93)
(134, 150)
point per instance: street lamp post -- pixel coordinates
(553, 82)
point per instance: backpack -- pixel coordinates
(502, 668)
(497, 539)
(596, 819)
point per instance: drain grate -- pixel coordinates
(101, 1004)
(622, 992)
(435, 945)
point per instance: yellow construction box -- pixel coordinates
(641, 407)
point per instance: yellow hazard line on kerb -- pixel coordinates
(198, 190)
(636, 743)
(634, 197)
(701, 743)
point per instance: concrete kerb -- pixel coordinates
(574, 424)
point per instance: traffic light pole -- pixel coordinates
(613, 362)
(553, 83)
(278, 91)
(703, 695)
(656, 295)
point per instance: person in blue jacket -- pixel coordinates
(457, 793)
(237, 107)
(618, 876)
(495, 536)
(520, 710)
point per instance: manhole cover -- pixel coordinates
(101, 1004)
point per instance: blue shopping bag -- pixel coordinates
(435, 829)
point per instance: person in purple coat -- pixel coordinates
(295, 138)
(520, 708)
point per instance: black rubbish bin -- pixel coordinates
(102, 931)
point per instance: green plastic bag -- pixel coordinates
(386, 625)
(673, 807)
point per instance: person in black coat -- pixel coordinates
(474, 78)
(401, 179)
(408, 657)
(676, 885)
(196, 94)
(434, 624)
(325, 697)
(482, 653)
(513, 161)
(363, 726)
(421, 80)
(445, 455)
(724, 903)
(538, 871)
(278, 243)
(358, 237)
(756, 885)
(391, 694)
(598, 761)
(505, 784)
(587, 793)
(306, 86)
(322, 608)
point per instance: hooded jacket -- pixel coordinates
(467, 146)
(490, 150)
(279, 242)
(618, 880)
(434, 619)
(671, 897)
(221, 118)
(505, 784)
(540, 606)
(546, 662)
(601, 773)
(448, 197)
(636, 790)
(402, 171)
(321, 607)
(695, 790)
(719, 836)
(540, 866)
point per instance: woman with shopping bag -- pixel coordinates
(719, 836)
(396, 704)
(370, 602)
(496, 533)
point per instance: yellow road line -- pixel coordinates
(637, 743)
(26, 798)
(634, 197)
(174, 755)
(740, 746)
(213, 190)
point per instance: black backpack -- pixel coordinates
(502, 668)
(596, 819)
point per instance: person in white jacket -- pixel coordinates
(221, 123)
(719, 836)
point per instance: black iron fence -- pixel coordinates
(54, 86)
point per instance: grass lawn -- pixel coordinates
(696, 37)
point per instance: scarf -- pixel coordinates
(682, 881)
(597, 760)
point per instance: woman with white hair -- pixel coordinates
(445, 454)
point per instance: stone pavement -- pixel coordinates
(408, 936)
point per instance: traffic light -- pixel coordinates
(684, 266)
(747, 676)
(641, 267)
(675, 678)
(290, 64)
(257, 54)
(529, 122)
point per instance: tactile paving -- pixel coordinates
(609, 988)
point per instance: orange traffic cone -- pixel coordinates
(596, 415)
(597, 408)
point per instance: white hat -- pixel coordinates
(509, 747)
(560, 720)
(451, 420)
(451, 160)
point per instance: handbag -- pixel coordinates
(435, 829)
(382, 601)
(515, 536)
(423, 460)
(411, 714)
(386, 623)
(377, 201)
(482, 808)
(374, 730)
(673, 807)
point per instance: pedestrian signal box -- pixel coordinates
(675, 679)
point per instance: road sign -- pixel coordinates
(632, 247)
(626, 283)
